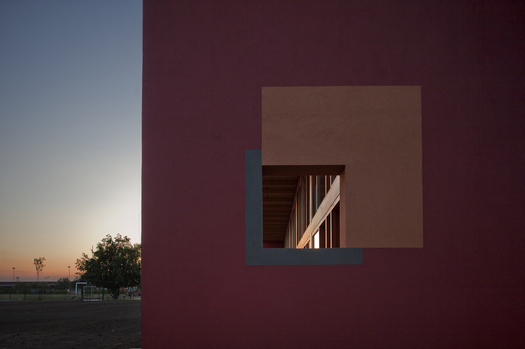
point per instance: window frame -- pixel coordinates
(256, 254)
(321, 213)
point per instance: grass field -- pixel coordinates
(21, 297)
(59, 323)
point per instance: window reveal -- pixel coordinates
(265, 246)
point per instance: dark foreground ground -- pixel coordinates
(70, 324)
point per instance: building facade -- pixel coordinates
(417, 109)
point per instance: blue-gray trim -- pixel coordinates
(256, 254)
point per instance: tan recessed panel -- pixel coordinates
(375, 132)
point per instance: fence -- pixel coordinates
(35, 294)
(89, 293)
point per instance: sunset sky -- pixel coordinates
(70, 130)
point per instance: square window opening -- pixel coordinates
(301, 206)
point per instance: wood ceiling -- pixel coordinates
(278, 199)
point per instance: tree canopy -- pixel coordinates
(114, 264)
(39, 266)
(62, 284)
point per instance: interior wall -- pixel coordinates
(205, 63)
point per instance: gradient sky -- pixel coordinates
(70, 130)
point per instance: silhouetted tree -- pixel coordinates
(21, 287)
(114, 264)
(62, 284)
(39, 266)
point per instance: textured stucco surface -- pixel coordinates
(205, 63)
(375, 132)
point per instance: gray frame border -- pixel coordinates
(256, 254)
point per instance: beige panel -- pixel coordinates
(375, 131)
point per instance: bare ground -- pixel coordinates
(70, 324)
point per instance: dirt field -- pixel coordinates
(70, 324)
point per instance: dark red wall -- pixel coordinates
(204, 65)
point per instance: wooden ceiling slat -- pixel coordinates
(277, 201)
(275, 182)
(278, 196)
(280, 190)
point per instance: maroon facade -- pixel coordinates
(205, 63)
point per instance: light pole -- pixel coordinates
(13, 279)
(69, 278)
